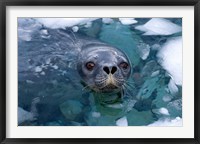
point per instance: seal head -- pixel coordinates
(103, 68)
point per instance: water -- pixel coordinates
(50, 90)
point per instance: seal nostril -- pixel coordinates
(114, 69)
(106, 69)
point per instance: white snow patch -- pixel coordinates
(159, 26)
(96, 114)
(167, 122)
(122, 121)
(164, 111)
(172, 87)
(38, 69)
(127, 21)
(170, 58)
(55, 23)
(107, 20)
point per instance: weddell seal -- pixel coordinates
(53, 63)
(103, 68)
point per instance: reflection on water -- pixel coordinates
(51, 92)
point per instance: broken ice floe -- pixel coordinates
(172, 87)
(122, 121)
(144, 50)
(168, 122)
(127, 21)
(170, 58)
(24, 116)
(159, 26)
(107, 20)
(63, 23)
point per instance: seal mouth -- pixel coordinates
(108, 84)
(109, 88)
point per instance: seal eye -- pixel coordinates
(90, 65)
(124, 65)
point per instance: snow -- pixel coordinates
(159, 26)
(172, 87)
(127, 21)
(55, 23)
(170, 58)
(122, 121)
(167, 122)
(164, 111)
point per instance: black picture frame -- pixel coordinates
(5, 3)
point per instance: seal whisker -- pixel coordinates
(87, 86)
(131, 86)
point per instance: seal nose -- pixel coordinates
(109, 70)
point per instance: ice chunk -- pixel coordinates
(24, 34)
(38, 69)
(24, 115)
(159, 26)
(116, 106)
(55, 66)
(26, 27)
(155, 47)
(96, 114)
(170, 58)
(144, 50)
(163, 111)
(44, 32)
(75, 29)
(107, 20)
(167, 98)
(167, 122)
(29, 82)
(127, 21)
(155, 73)
(55, 23)
(122, 122)
(172, 87)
